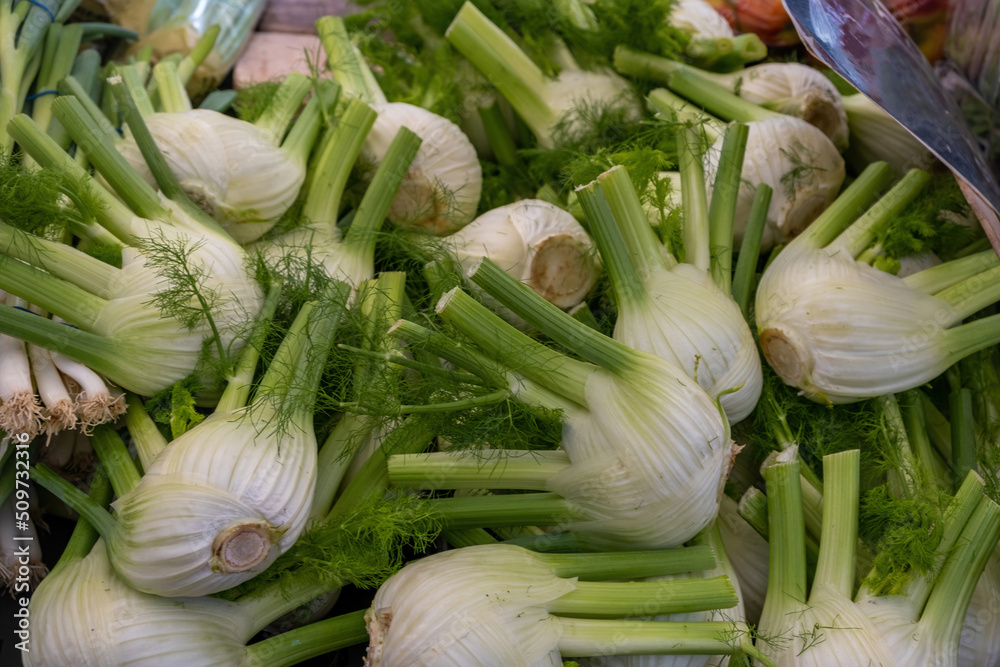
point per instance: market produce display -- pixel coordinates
(502, 333)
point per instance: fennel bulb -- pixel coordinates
(497, 604)
(673, 310)
(228, 167)
(536, 242)
(824, 627)
(85, 616)
(227, 497)
(798, 162)
(788, 88)
(660, 484)
(440, 192)
(700, 18)
(183, 281)
(841, 330)
(550, 107)
(795, 159)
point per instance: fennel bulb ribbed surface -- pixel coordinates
(229, 167)
(536, 242)
(440, 192)
(85, 616)
(217, 506)
(841, 330)
(472, 606)
(688, 320)
(649, 457)
(798, 162)
(131, 320)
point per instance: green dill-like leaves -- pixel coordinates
(252, 101)
(42, 201)
(904, 533)
(783, 417)
(640, 24)
(175, 407)
(596, 137)
(925, 226)
(363, 548)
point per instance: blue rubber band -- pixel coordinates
(24, 309)
(40, 93)
(36, 3)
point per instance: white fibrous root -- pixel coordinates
(96, 401)
(59, 411)
(20, 410)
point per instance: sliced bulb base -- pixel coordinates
(784, 355)
(562, 270)
(242, 546)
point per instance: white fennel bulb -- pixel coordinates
(226, 498)
(798, 162)
(536, 242)
(498, 604)
(672, 447)
(440, 192)
(700, 18)
(126, 334)
(841, 330)
(673, 310)
(713, 343)
(551, 107)
(184, 281)
(924, 624)
(792, 89)
(823, 627)
(471, 606)
(228, 167)
(245, 175)
(85, 615)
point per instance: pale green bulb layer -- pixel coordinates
(649, 457)
(476, 605)
(229, 167)
(685, 318)
(841, 330)
(230, 470)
